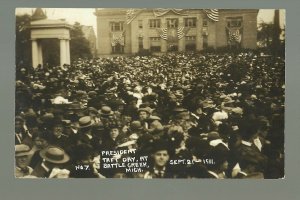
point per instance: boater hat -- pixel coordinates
(22, 150)
(106, 111)
(54, 155)
(85, 121)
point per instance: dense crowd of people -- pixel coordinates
(192, 115)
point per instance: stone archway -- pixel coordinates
(46, 29)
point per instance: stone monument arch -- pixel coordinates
(43, 28)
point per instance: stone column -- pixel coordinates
(40, 52)
(163, 42)
(63, 52)
(68, 52)
(199, 37)
(181, 45)
(35, 53)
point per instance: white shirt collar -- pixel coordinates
(45, 167)
(249, 144)
(213, 173)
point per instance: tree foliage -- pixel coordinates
(265, 37)
(79, 45)
(23, 43)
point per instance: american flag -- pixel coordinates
(212, 14)
(118, 38)
(235, 36)
(130, 15)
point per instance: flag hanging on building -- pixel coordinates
(117, 38)
(234, 35)
(173, 34)
(212, 14)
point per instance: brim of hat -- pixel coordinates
(91, 124)
(64, 160)
(136, 129)
(22, 154)
(210, 106)
(231, 101)
(105, 114)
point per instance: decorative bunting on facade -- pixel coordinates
(158, 12)
(182, 31)
(130, 15)
(163, 33)
(117, 38)
(212, 14)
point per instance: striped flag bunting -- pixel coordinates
(130, 15)
(182, 31)
(212, 14)
(163, 33)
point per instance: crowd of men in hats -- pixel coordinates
(223, 114)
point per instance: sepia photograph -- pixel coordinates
(149, 93)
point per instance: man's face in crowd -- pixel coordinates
(224, 166)
(143, 115)
(57, 131)
(18, 126)
(87, 161)
(114, 132)
(161, 158)
(40, 142)
(127, 119)
(96, 162)
(22, 161)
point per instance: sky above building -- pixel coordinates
(85, 16)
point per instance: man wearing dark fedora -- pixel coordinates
(219, 164)
(159, 168)
(22, 136)
(57, 136)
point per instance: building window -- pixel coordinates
(190, 47)
(205, 41)
(205, 23)
(234, 22)
(154, 38)
(154, 23)
(172, 23)
(155, 48)
(117, 26)
(190, 38)
(140, 23)
(141, 46)
(172, 48)
(190, 22)
(118, 49)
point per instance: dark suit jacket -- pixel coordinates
(40, 172)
